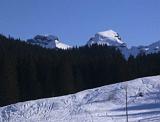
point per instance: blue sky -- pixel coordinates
(75, 21)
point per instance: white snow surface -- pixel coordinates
(103, 104)
(111, 34)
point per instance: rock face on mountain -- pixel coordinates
(112, 38)
(48, 41)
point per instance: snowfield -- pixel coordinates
(103, 104)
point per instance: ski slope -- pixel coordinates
(103, 104)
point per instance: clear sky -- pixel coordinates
(75, 21)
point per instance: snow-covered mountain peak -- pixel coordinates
(45, 38)
(48, 41)
(112, 38)
(109, 37)
(109, 33)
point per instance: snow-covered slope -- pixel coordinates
(103, 104)
(48, 41)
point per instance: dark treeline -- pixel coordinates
(30, 72)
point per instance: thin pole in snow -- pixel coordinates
(126, 89)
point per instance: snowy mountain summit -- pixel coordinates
(103, 104)
(110, 38)
(48, 41)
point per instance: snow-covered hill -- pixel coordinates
(48, 41)
(112, 38)
(103, 104)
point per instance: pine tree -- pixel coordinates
(10, 88)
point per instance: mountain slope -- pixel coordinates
(101, 104)
(150, 49)
(48, 41)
